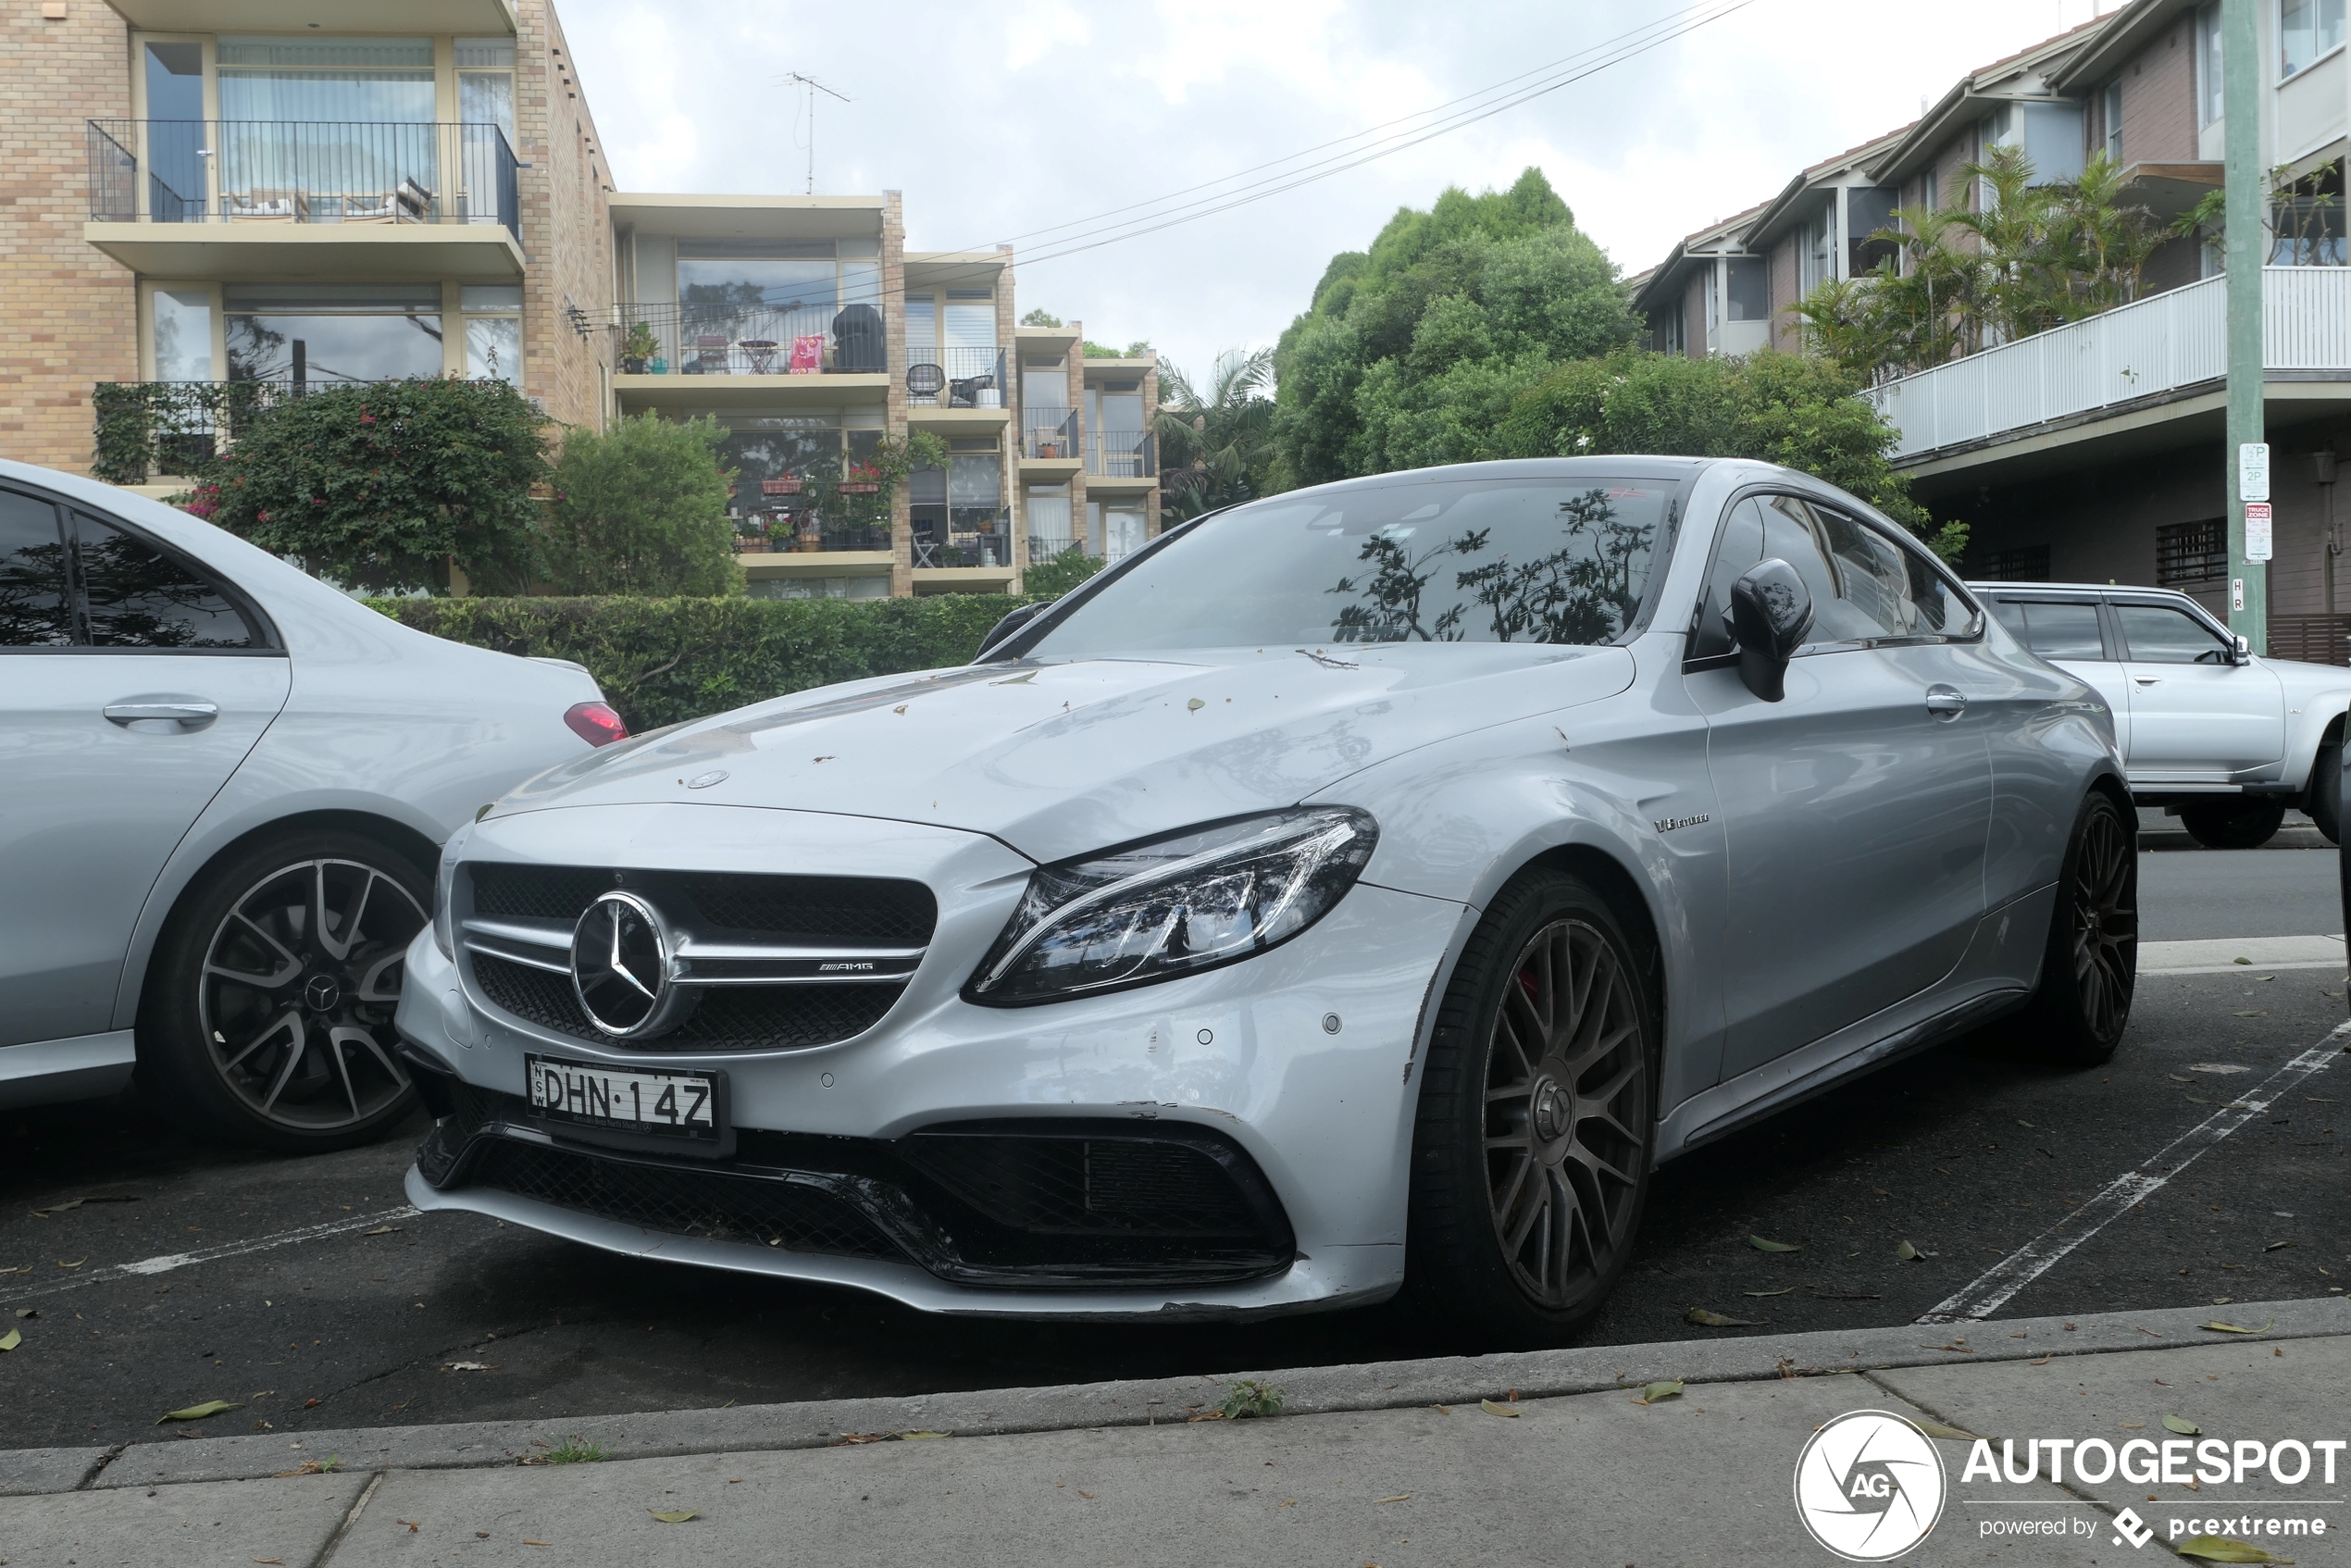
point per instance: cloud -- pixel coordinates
(1000, 123)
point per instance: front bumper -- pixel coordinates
(1288, 1075)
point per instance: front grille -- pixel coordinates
(845, 911)
(727, 1018)
(1073, 1186)
(710, 1204)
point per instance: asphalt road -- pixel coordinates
(1966, 1153)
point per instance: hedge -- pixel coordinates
(663, 660)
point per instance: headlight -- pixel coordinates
(444, 934)
(1173, 906)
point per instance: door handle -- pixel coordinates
(2148, 679)
(189, 716)
(1944, 702)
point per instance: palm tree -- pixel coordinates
(1215, 445)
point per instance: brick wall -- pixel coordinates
(1694, 316)
(2159, 100)
(71, 313)
(567, 223)
(1786, 328)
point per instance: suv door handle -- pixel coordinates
(1944, 702)
(191, 716)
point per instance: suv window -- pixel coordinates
(1865, 586)
(2053, 630)
(2158, 634)
(139, 597)
(35, 611)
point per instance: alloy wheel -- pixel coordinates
(299, 983)
(2106, 924)
(1566, 1113)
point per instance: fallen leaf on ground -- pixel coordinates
(673, 1515)
(527, 1541)
(76, 1202)
(1087, 1495)
(1959, 1434)
(1492, 1407)
(471, 1366)
(2183, 1425)
(11, 1339)
(910, 1437)
(1664, 1388)
(2248, 1013)
(2275, 1245)
(1705, 1319)
(1400, 1497)
(2218, 1067)
(1761, 1245)
(2042, 1362)
(28, 1312)
(1908, 1254)
(410, 1523)
(1782, 1292)
(196, 1412)
(76, 1263)
(266, 1561)
(381, 1230)
(2226, 1549)
(2218, 1327)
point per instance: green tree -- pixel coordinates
(1092, 350)
(642, 509)
(1215, 444)
(1040, 317)
(1052, 578)
(1797, 410)
(1412, 352)
(384, 485)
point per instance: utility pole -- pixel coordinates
(810, 87)
(2247, 454)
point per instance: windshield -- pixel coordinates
(1513, 560)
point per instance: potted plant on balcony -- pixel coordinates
(638, 349)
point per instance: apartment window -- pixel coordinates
(1668, 336)
(1816, 251)
(807, 306)
(2307, 231)
(182, 322)
(955, 330)
(485, 83)
(493, 331)
(1868, 210)
(1047, 507)
(310, 333)
(2307, 31)
(368, 80)
(2209, 104)
(2028, 562)
(1750, 290)
(2112, 110)
(1115, 530)
(2188, 554)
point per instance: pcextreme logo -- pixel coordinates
(1869, 1485)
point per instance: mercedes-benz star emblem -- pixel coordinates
(620, 967)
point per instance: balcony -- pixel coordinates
(160, 429)
(2163, 349)
(1121, 454)
(249, 200)
(714, 356)
(955, 378)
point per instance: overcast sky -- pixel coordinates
(1001, 120)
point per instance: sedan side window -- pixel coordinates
(35, 609)
(2054, 631)
(2157, 634)
(139, 597)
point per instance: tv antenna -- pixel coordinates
(810, 87)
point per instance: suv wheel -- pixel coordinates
(2232, 823)
(268, 1004)
(1538, 1119)
(2325, 800)
(2090, 967)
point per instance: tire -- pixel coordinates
(2090, 966)
(270, 1024)
(2233, 823)
(1538, 1120)
(2324, 803)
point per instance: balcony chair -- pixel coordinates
(258, 206)
(710, 356)
(925, 382)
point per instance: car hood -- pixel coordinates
(1060, 759)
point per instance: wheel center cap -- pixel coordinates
(321, 992)
(1551, 1111)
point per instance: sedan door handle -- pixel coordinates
(191, 716)
(2147, 680)
(1944, 702)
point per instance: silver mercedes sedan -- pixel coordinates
(1362, 890)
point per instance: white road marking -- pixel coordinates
(1991, 1290)
(167, 1262)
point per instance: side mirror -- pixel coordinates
(1770, 613)
(2240, 650)
(1019, 617)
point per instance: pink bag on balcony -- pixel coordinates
(808, 355)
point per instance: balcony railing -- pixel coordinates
(2163, 344)
(1049, 432)
(708, 340)
(1121, 454)
(810, 537)
(305, 171)
(147, 430)
(961, 536)
(955, 378)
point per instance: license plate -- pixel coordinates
(680, 1105)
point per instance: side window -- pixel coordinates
(2054, 631)
(1740, 547)
(35, 610)
(138, 597)
(1793, 531)
(2159, 635)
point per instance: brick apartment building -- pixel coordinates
(209, 192)
(2094, 452)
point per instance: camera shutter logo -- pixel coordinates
(1869, 1485)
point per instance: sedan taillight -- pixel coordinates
(595, 723)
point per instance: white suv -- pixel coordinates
(2224, 737)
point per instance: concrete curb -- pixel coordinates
(1308, 1390)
